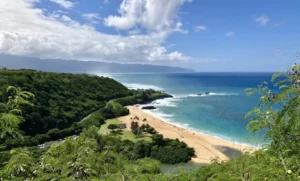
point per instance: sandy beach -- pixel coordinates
(206, 147)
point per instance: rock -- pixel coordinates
(207, 92)
(168, 96)
(199, 94)
(149, 107)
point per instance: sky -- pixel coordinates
(205, 35)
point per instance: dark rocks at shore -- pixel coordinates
(206, 93)
(168, 96)
(149, 107)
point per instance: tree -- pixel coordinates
(112, 127)
(278, 113)
(11, 113)
(135, 128)
(21, 163)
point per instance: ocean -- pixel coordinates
(219, 114)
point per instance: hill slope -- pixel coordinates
(60, 99)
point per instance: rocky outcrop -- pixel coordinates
(149, 107)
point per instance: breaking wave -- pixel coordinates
(136, 86)
(204, 95)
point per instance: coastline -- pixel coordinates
(206, 147)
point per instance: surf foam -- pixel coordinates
(203, 95)
(136, 86)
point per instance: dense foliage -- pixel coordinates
(63, 102)
(92, 156)
(11, 113)
(148, 129)
(60, 99)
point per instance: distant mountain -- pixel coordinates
(74, 66)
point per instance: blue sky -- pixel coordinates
(206, 35)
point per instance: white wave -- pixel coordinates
(222, 94)
(159, 114)
(203, 95)
(180, 96)
(136, 86)
(167, 102)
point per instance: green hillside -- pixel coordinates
(63, 100)
(60, 99)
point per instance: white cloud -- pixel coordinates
(262, 20)
(201, 28)
(28, 31)
(230, 34)
(154, 15)
(92, 17)
(64, 3)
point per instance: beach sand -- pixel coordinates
(206, 147)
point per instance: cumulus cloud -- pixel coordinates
(64, 3)
(28, 31)
(230, 34)
(262, 20)
(155, 15)
(201, 28)
(92, 17)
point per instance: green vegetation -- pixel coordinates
(63, 100)
(112, 127)
(87, 157)
(104, 128)
(123, 134)
(11, 113)
(148, 129)
(60, 99)
(130, 136)
(94, 156)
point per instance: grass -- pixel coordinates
(103, 129)
(124, 134)
(130, 136)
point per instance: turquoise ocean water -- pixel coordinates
(220, 114)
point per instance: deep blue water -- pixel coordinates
(220, 114)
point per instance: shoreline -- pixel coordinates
(201, 132)
(206, 147)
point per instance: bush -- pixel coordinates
(114, 109)
(148, 129)
(112, 127)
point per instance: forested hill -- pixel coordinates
(60, 98)
(73, 66)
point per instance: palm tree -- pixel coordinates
(10, 112)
